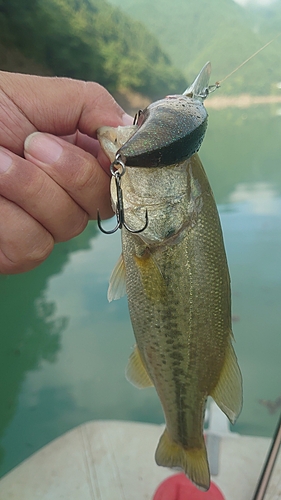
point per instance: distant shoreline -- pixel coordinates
(133, 101)
(240, 101)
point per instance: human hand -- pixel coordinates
(53, 174)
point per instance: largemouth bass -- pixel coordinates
(176, 277)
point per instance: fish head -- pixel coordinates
(169, 130)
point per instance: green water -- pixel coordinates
(64, 348)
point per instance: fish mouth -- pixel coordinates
(112, 138)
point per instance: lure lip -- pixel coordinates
(200, 88)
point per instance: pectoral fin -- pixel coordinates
(117, 282)
(228, 391)
(151, 277)
(136, 372)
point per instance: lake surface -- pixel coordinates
(64, 348)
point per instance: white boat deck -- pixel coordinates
(113, 460)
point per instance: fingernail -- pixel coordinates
(127, 119)
(43, 148)
(5, 161)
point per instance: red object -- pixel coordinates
(179, 487)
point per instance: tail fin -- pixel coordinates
(192, 461)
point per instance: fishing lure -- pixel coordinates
(156, 143)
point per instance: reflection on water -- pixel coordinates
(30, 337)
(253, 244)
(259, 198)
(29, 334)
(64, 348)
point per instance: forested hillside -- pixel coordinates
(221, 31)
(86, 39)
(95, 40)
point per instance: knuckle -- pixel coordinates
(97, 92)
(23, 182)
(40, 253)
(14, 264)
(84, 173)
(75, 228)
(79, 228)
(36, 187)
(99, 99)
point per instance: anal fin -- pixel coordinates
(228, 391)
(136, 372)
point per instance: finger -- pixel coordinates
(91, 146)
(75, 170)
(84, 142)
(56, 105)
(72, 168)
(43, 199)
(24, 243)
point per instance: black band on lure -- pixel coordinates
(170, 131)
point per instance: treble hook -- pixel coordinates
(119, 204)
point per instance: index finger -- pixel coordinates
(59, 106)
